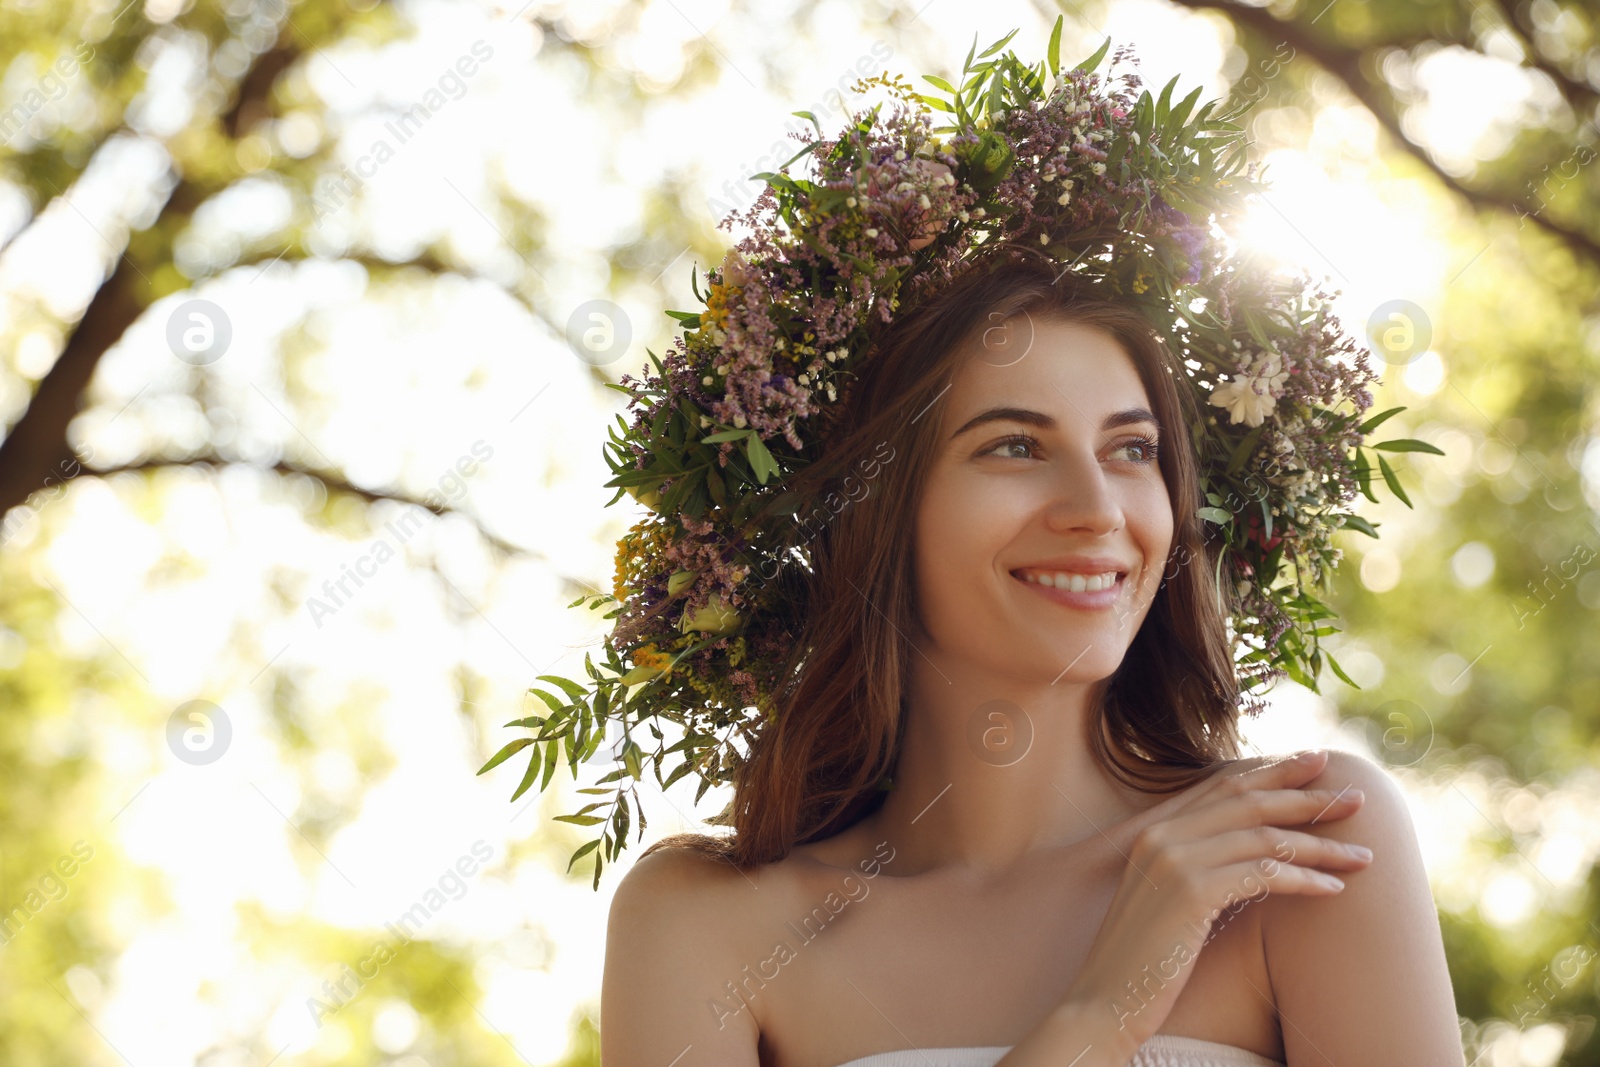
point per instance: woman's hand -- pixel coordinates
(1222, 846)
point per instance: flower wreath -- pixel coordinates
(1134, 195)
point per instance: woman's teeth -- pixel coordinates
(1076, 583)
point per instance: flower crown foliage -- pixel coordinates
(1136, 195)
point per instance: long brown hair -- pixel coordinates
(1166, 716)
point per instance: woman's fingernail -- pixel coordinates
(1361, 851)
(1311, 756)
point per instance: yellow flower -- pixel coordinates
(648, 663)
(635, 549)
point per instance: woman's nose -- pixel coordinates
(1083, 499)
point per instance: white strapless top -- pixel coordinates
(1162, 1050)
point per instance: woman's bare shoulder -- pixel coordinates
(1362, 973)
(680, 885)
(678, 932)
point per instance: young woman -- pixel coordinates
(1003, 818)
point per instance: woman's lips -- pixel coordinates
(1099, 600)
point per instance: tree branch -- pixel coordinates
(335, 484)
(37, 445)
(1345, 64)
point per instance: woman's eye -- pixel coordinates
(1148, 448)
(1145, 448)
(1015, 441)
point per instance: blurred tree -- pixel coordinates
(1499, 661)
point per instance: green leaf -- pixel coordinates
(1245, 447)
(581, 820)
(552, 750)
(1176, 118)
(583, 850)
(1334, 664)
(1356, 522)
(1165, 102)
(1378, 420)
(813, 118)
(761, 460)
(1406, 444)
(1053, 52)
(551, 700)
(725, 435)
(1216, 515)
(1088, 65)
(506, 753)
(620, 822)
(1001, 43)
(1364, 476)
(1394, 482)
(534, 766)
(939, 83)
(571, 688)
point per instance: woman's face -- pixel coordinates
(1043, 466)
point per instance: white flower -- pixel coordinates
(1134, 137)
(872, 232)
(1099, 168)
(1272, 370)
(1247, 401)
(1063, 198)
(1252, 398)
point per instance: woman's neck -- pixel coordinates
(990, 771)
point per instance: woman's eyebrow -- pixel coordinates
(1028, 416)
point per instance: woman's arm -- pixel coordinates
(1360, 976)
(665, 1000)
(1215, 846)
